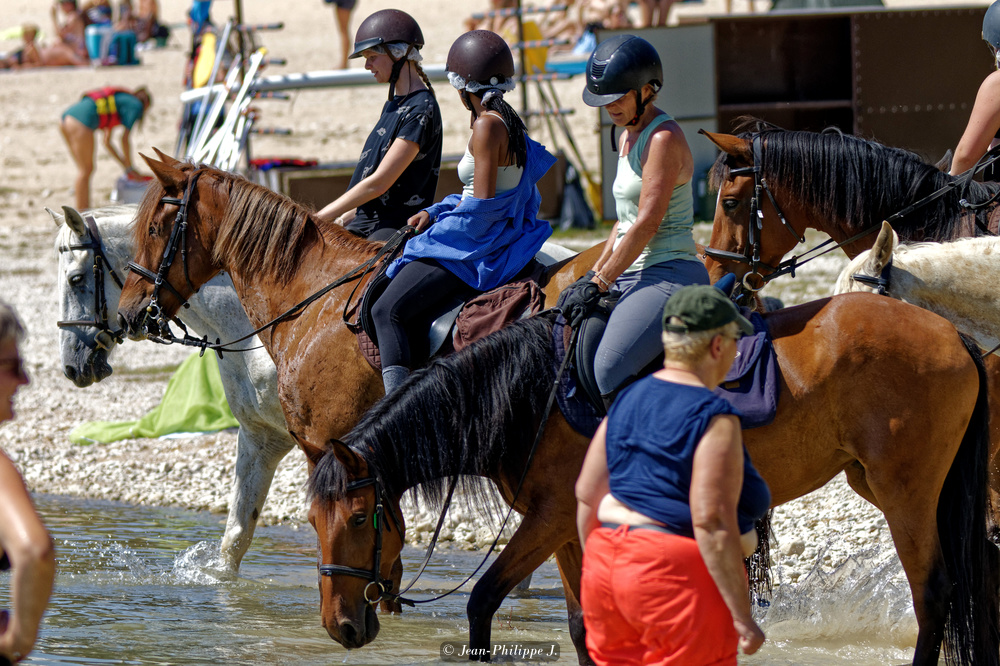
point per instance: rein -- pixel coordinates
(373, 574)
(178, 241)
(754, 281)
(106, 336)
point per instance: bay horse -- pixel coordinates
(277, 253)
(90, 260)
(845, 187)
(859, 395)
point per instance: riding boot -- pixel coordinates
(393, 376)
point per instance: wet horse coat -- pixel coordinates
(277, 254)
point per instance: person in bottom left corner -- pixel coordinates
(25, 544)
(101, 109)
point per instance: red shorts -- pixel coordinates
(648, 599)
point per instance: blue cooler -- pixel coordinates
(98, 38)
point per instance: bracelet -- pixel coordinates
(607, 285)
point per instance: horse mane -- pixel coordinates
(261, 231)
(855, 181)
(465, 414)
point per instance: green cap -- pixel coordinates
(702, 307)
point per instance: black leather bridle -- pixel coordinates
(755, 280)
(177, 241)
(106, 336)
(383, 586)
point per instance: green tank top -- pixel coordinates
(674, 238)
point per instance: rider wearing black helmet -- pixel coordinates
(650, 252)
(482, 238)
(983, 129)
(397, 172)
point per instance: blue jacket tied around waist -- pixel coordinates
(486, 242)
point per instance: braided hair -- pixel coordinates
(517, 144)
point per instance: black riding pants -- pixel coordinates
(418, 291)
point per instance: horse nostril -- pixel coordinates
(122, 324)
(348, 634)
(70, 372)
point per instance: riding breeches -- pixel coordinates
(632, 338)
(419, 289)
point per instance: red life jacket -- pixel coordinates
(107, 112)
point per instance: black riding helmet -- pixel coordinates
(619, 65)
(388, 26)
(481, 56)
(991, 26)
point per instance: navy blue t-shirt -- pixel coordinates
(653, 430)
(417, 118)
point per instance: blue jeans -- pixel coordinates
(633, 336)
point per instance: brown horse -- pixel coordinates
(859, 395)
(843, 186)
(277, 253)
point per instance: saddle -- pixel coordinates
(457, 323)
(752, 384)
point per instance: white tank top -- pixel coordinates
(507, 176)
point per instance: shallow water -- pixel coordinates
(138, 585)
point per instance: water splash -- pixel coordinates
(202, 564)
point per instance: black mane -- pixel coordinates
(858, 183)
(467, 414)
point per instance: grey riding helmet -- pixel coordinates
(388, 26)
(619, 65)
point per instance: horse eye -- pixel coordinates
(730, 205)
(152, 231)
(75, 280)
(359, 519)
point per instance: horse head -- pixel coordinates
(361, 532)
(745, 193)
(173, 244)
(89, 286)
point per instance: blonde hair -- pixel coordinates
(11, 328)
(690, 347)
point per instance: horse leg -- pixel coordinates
(527, 549)
(257, 456)
(569, 557)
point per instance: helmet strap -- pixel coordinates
(397, 68)
(464, 94)
(640, 108)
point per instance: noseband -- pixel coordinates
(755, 280)
(383, 586)
(177, 241)
(106, 336)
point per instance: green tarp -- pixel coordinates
(193, 402)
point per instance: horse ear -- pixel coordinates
(349, 458)
(166, 159)
(56, 217)
(881, 253)
(172, 178)
(729, 144)
(74, 220)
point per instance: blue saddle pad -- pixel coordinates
(752, 384)
(576, 407)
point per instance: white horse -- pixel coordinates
(957, 280)
(249, 378)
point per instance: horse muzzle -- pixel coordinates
(352, 633)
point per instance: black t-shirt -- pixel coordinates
(417, 118)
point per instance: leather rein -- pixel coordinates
(754, 281)
(106, 336)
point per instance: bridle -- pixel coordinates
(106, 336)
(177, 241)
(383, 586)
(755, 280)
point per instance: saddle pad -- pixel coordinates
(369, 350)
(579, 412)
(752, 384)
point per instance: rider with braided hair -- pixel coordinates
(397, 172)
(650, 252)
(484, 237)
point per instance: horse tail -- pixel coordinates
(758, 565)
(972, 561)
